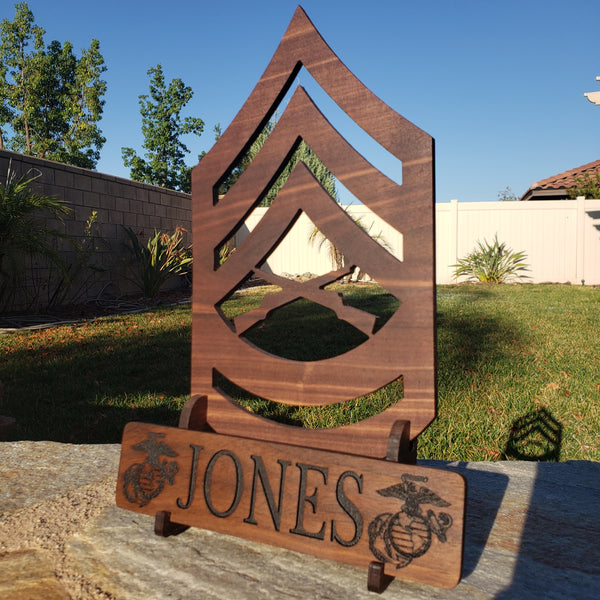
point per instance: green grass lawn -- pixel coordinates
(518, 371)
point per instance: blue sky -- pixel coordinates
(498, 84)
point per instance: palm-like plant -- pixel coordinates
(491, 263)
(22, 232)
(335, 254)
(160, 259)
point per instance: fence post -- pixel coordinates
(453, 233)
(580, 241)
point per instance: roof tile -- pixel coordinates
(566, 180)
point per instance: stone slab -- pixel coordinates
(29, 575)
(34, 472)
(531, 528)
(532, 531)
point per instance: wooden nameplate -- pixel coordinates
(406, 519)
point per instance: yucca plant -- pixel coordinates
(491, 263)
(22, 233)
(335, 254)
(160, 259)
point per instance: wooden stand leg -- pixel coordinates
(193, 414)
(399, 449)
(164, 527)
(377, 580)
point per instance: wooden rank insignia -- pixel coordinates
(404, 346)
(344, 493)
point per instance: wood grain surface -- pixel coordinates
(336, 506)
(404, 346)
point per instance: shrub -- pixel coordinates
(159, 260)
(588, 186)
(491, 263)
(22, 233)
(84, 271)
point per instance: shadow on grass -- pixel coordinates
(307, 331)
(467, 341)
(260, 406)
(85, 389)
(535, 436)
(83, 385)
(304, 330)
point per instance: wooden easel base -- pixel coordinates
(391, 517)
(377, 580)
(399, 449)
(192, 417)
(164, 527)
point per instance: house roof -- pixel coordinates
(556, 186)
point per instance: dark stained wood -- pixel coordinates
(400, 448)
(164, 527)
(333, 505)
(405, 345)
(193, 414)
(377, 580)
(352, 494)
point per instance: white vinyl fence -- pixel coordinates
(297, 255)
(560, 238)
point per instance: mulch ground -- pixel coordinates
(92, 310)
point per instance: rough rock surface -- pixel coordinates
(532, 531)
(49, 492)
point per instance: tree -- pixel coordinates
(17, 96)
(302, 153)
(588, 186)
(507, 195)
(5, 112)
(311, 160)
(50, 100)
(83, 104)
(163, 126)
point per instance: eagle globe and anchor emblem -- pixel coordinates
(403, 536)
(144, 481)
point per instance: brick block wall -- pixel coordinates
(118, 202)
